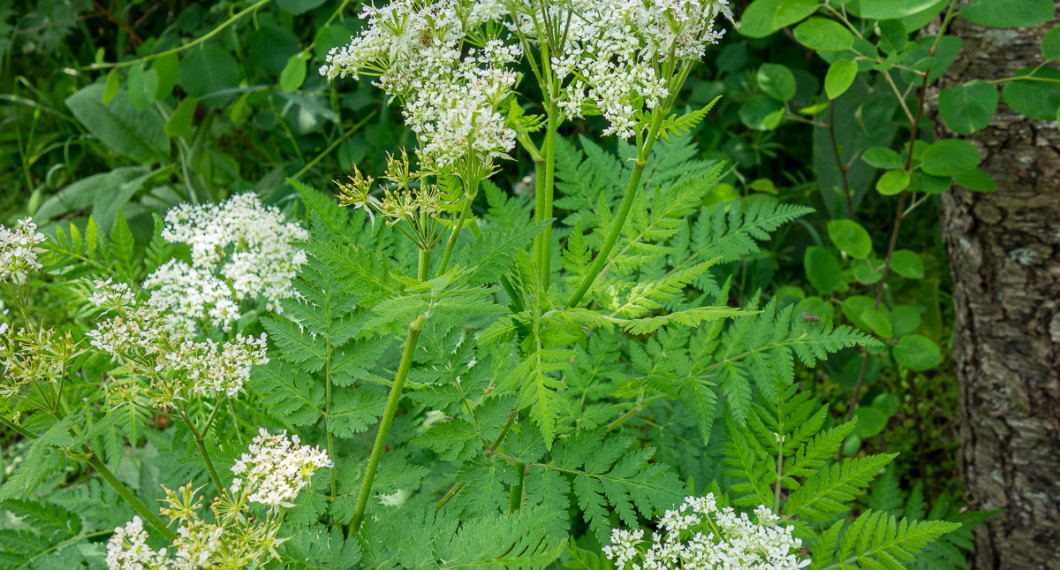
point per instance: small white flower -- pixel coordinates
(18, 251)
(276, 468)
(731, 540)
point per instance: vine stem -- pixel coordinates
(231, 20)
(643, 152)
(130, 498)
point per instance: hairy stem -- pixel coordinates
(643, 153)
(388, 419)
(130, 498)
(449, 496)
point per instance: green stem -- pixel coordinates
(539, 209)
(627, 204)
(209, 465)
(388, 419)
(130, 498)
(549, 189)
(18, 429)
(449, 496)
(456, 229)
(517, 493)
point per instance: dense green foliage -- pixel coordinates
(750, 298)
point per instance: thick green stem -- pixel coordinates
(388, 419)
(550, 188)
(643, 154)
(539, 209)
(126, 494)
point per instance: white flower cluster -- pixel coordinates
(240, 250)
(139, 336)
(276, 469)
(700, 536)
(616, 49)
(127, 549)
(18, 251)
(415, 48)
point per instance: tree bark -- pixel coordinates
(1004, 253)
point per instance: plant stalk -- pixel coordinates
(388, 418)
(131, 498)
(643, 154)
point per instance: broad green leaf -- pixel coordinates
(777, 81)
(823, 34)
(792, 11)
(139, 135)
(1009, 13)
(893, 182)
(143, 86)
(822, 269)
(867, 273)
(82, 193)
(968, 107)
(760, 113)
(179, 123)
(850, 237)
(893, 36)
(907, 264)
(888, 9)
(976, 180)
(877, 323)
(917, 352)
(329, 37)
(111, 89)
(840, 76)
(1051, 44)
(1037, 99)
(928, 184)
(950, 157)
(905, 319)
(886, 403)
(882, 157)
(208, 70)
(168, 69)
(293, 74)
(757, 20)
(298, 6)
(870, 422)
(921, 58)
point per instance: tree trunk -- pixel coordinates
(1004, 252)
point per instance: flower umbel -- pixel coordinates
(700, 535)
(276, 469)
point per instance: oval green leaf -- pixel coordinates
(111, 88)
(757, 19)
(840, 76)
(893, 182)
(969, 107)
(823, 34)
(976, 180)
(888, 9)
(907, 264)
(850, 237)
(917, 352)
(1009, 13)
(822, 269)
(792, 11)
(293, 74)
(1034, 99)
(877, 322)
(760, 113)
(777, 81)
(1051, 44)
(882, 157)
(870, 422)
(950, 157)
(207, 71)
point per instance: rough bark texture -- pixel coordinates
(1004, 251)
